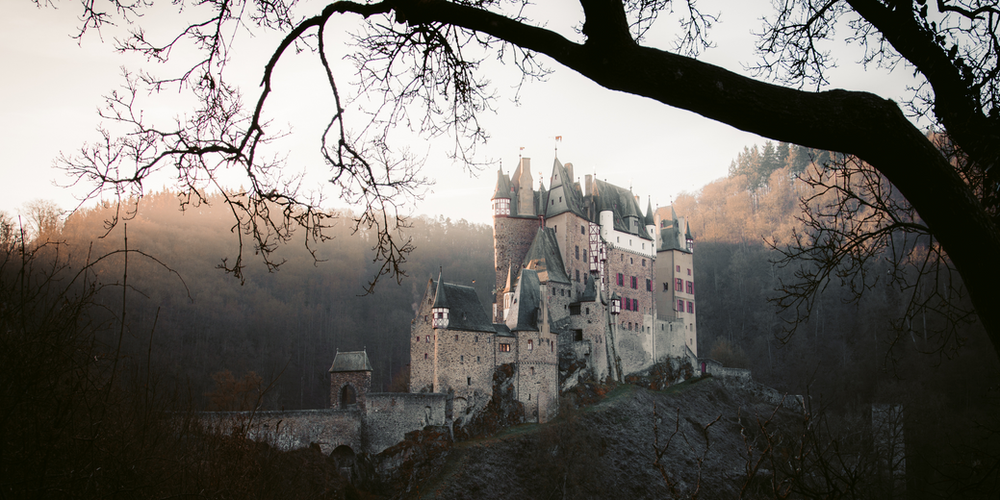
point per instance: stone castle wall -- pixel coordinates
(391, 415)
(512, 237)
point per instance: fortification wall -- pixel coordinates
(392, 414)
(291, 430)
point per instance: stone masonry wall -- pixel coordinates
(422, 345)
(391, 415)
(512, 237)
(290, 430)
(572, 233)
(630, 265)
(360, 382)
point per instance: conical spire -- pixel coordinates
(503, 189)
(649, 213)
(440, 299)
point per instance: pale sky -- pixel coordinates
(52, 87)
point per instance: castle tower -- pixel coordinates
(675, 296)
(514, 226)
(350, 380)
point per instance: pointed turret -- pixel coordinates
(650, 221)
(502, 195)
(441, 308)
(688, 239)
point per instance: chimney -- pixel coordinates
(569, 172)
(587, 190)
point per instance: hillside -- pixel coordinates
(607, 450)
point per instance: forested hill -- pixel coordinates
(290, 322)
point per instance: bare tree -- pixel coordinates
(422, 56)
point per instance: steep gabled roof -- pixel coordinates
(649, 213)
(440, 295)
(524, 313)
(466, 312)
(621, 202)
(351, 361)
(572, 200)
(589, 289)
(504, 189)
(543, 256)
(502, 330)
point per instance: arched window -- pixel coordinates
(348, 396)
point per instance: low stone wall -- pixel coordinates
(392, 414)
(740, 377)
(290, 430)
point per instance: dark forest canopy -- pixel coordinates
(289, 322)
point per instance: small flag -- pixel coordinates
(558, 137)
(522, 148)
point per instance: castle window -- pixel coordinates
(578, 335)
(478, 359)
(532, 372)
(631, 260)
(531, 345)
(562, 292)
(689, 271)
(643, 260)
(578, 252)
(503, 348)
(476, 338)
(560, 199)
(425, 355)
(690, 306)
(588, 310)
(468, 380)
(680, 306)
(678, 268)
(574, 309)
(635, 282)
(690, 287)
(678, 285)
(577, 275)
(552, 347)
(461, 359)
(649, 285)
(584, 254)
(456, 338)
(427, 338)
(621, 279)
(582, 230)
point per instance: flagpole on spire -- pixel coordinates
(558, 140)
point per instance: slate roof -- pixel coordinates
(524, 312)
(351, 361)
(466, 312)
(621, 202)
(589, 289)
(502, 330)
(544, 257)
(504, 189)
(572, 199)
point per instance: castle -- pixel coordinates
(584, 281)
(585, 284)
